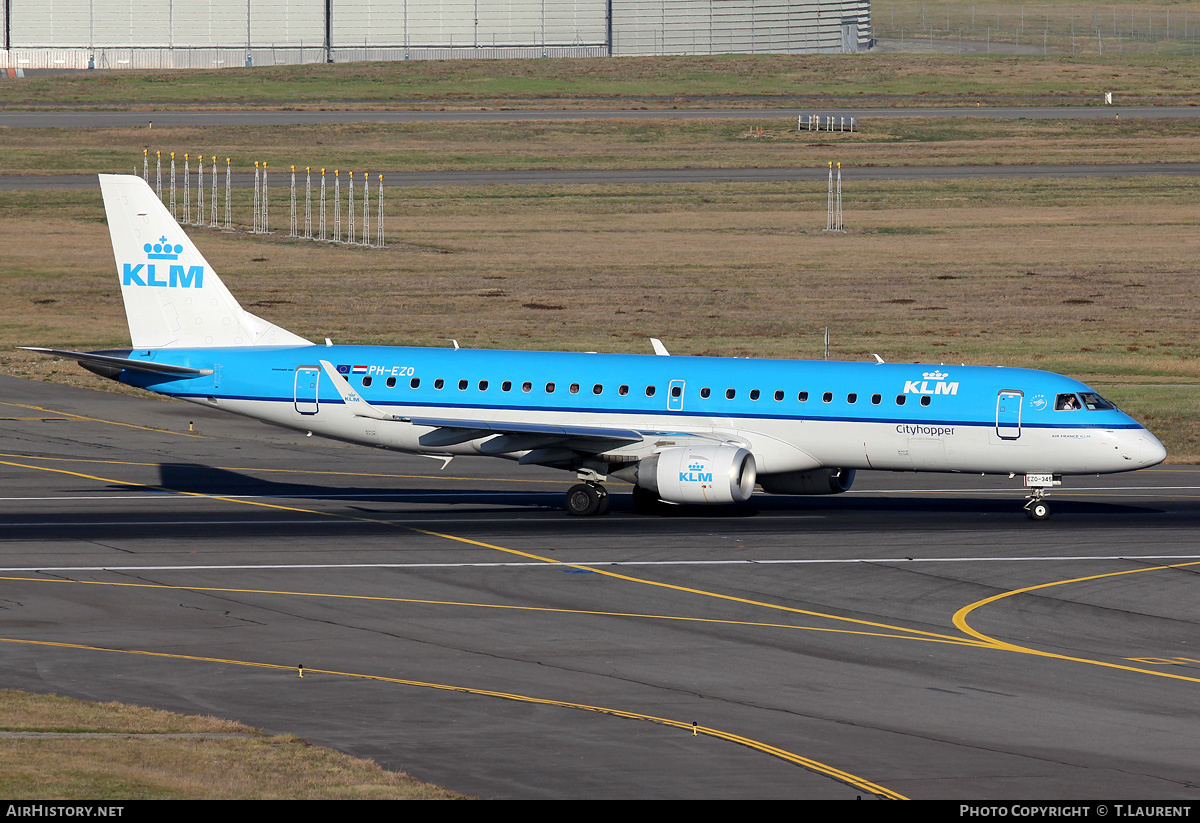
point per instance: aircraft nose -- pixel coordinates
(1149, 449)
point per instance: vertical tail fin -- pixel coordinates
(173, 298)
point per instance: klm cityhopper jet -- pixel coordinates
(693, 430)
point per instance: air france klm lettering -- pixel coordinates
(788, 426)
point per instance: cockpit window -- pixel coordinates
(1067, 402)
(1094, 402)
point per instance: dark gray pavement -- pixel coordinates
(168, 116)
(821, 626)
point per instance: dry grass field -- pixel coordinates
(62, 749)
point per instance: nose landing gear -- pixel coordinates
(1036, 507)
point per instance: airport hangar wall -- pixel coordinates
(128, 34)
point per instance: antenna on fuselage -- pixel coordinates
(878, 359)
(455, 342)
(659, 348)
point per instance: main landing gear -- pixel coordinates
(585, 499)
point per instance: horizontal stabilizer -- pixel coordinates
(109, 365)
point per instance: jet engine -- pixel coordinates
(819, 481)
(719, 473)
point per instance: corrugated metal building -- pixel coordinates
(208, 33)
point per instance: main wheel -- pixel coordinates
(583, 500)
(1038, 510)
(605, 500)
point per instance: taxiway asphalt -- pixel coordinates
(916, 636)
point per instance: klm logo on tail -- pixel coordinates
(177, 276)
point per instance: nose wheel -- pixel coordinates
(587, 499)
(1036, 508)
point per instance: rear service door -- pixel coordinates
(307, 378)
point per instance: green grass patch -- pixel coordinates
(869, 79)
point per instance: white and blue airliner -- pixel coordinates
(683, 430)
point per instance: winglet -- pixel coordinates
(354, 402)
(659, 348)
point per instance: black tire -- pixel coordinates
(1038, 510)
(605, 500)
(582, 500)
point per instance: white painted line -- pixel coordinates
(1157, 558)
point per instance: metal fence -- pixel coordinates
(1102, 30)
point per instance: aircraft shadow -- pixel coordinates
(200, 479)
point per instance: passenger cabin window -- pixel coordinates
(366, 381)
(802, 397)
(624, 390)
(852, 398)
(526, 386)
(876, 399)
(598, 389)
(704, 392)
(506, 385)
(778, 395)
(549, 388)
(730, 394)
(574, 388)
(676, 391)
(437, 384)
(925, 400)
(649, 391)
(900, 399)
(483, 384)
(754, 394)
(415, 382)
(391, 382)
(1067, 402)
(462, 385)
(827, 397)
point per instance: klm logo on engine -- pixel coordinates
(695, 474)
(934, 382)
(152, 274)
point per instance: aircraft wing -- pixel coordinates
(101, 363)
(542, 439)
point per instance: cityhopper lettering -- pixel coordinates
(932, 382)
(145, 274)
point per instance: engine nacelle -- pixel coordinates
(714, 474)
(818, 481)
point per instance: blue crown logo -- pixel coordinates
(162, 250)
(695, 467)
